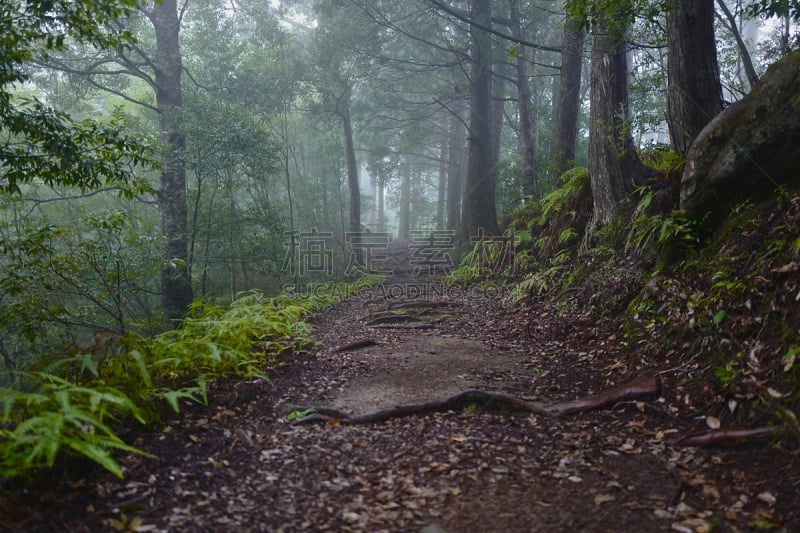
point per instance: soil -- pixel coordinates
(239, 465)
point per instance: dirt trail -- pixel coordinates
(239, 466)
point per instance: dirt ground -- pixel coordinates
(238, 465)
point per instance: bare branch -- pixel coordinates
(500, 34)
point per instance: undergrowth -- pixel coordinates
(719, 308)
(74, 405)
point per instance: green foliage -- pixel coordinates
(472, 268)
(44, 145)
(553, 203)
(728, 373)
(616, 13)
(56, 415)
(48, 414)
(297, 415)
(536, 283)
(94, 274)
(775, 8)
(660, 233)
(663, 160)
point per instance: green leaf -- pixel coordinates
(297, 415)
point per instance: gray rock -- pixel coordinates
(749, 149)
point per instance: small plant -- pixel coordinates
(297, 415)
(658, 232)
(728, 374)
(551, 205)
(57, 415)
(48, 414)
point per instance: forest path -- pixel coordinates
(239, 465)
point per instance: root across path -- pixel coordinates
(487, 400)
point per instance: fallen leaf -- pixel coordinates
(767, 497)
(603, 498)
(710, 490)
(712, 422)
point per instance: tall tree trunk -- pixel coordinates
(569, 98)
(379, 192)
(614, 165)
(498, 113)
(455, 164)
(233, 231)
(352, 170)
(479, 209)
(694, 94)
(175, 283)
(527, 140)
(404, 229)
(441, 196)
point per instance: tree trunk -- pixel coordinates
(233, 231)
(614, 165)
(352, 170)
(479, 208)
(569, 98)
(441, 196)
(694, 94)
(379, 191)
(455, 164)
(404, 230)
(498, 113)
(527, 140)
(175, 283)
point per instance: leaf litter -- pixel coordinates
(240, 465)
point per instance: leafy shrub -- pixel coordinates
(73, 411)
(36, 426)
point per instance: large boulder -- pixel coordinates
(749, 149)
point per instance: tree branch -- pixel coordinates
(459, 16)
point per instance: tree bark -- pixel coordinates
(694, 94)
(527, 136)
(352, 169)
(479, 208)
(455, 164)
(404, 229)
(614, 165)
(379, 191)
(175, 280)
(441, 195)
(498, 113)
(569, 98)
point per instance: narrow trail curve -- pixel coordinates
(240, 466)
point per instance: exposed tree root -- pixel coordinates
(355, 345)
(490, 400)
(715, 437)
